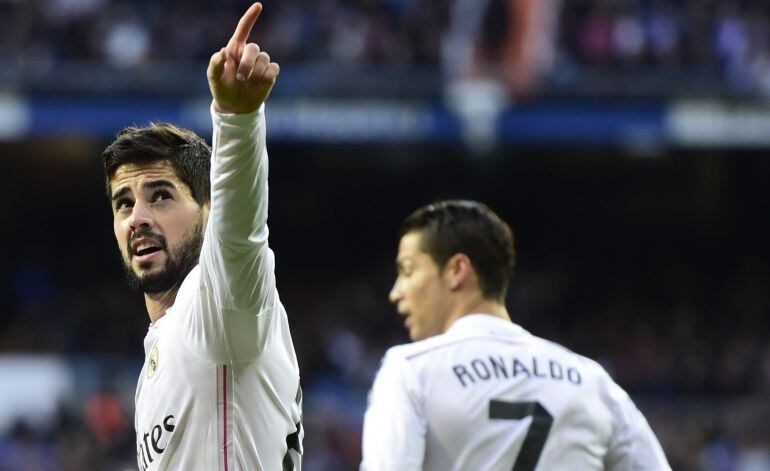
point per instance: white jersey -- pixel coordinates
(488, 395)
(219, 389)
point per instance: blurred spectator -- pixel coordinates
(509, 39)
(22, 450)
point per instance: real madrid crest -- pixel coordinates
(152, 363)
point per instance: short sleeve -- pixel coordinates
(633, 446)
(394, 423)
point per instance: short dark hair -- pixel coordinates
(460, 226)
(187, 153)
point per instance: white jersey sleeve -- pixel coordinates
(237, 292)
(394, 431)
(633, 446)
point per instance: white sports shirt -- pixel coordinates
(219, 389)
(488, 395)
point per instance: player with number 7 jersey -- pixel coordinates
(475, 391)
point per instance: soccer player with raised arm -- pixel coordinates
(476, 392)
(219, 389)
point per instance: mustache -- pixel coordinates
(157, 238)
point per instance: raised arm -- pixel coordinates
(240, 78)
(238, 301)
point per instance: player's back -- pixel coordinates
(494, 397)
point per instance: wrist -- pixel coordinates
(224, 109)
(234, 115)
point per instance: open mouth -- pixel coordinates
(145, 247)
(147, 251)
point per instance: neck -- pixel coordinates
(478, 305)
(158, 303)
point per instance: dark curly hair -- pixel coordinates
(187, 153)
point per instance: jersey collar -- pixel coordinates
(477, 323)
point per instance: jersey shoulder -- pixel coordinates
(408, 351)
(592, 366)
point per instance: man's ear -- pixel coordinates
(458, 271)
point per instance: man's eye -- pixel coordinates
(123, 204)
(161, 195)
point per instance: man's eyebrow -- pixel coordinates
(120, 193)
(159, 184)
(151, 185)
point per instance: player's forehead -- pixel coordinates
(132, 176)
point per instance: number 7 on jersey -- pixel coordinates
(538, 431)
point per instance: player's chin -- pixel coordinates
(150, 261)
(415, 333)
(147, 267)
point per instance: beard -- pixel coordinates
(179, 262)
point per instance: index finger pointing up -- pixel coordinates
(245, 24)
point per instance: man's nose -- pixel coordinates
(395, 293)
(140, 216)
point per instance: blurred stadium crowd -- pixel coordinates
(726, 38)
(666, 32)
(664, 281)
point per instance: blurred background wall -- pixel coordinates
(625, 142)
